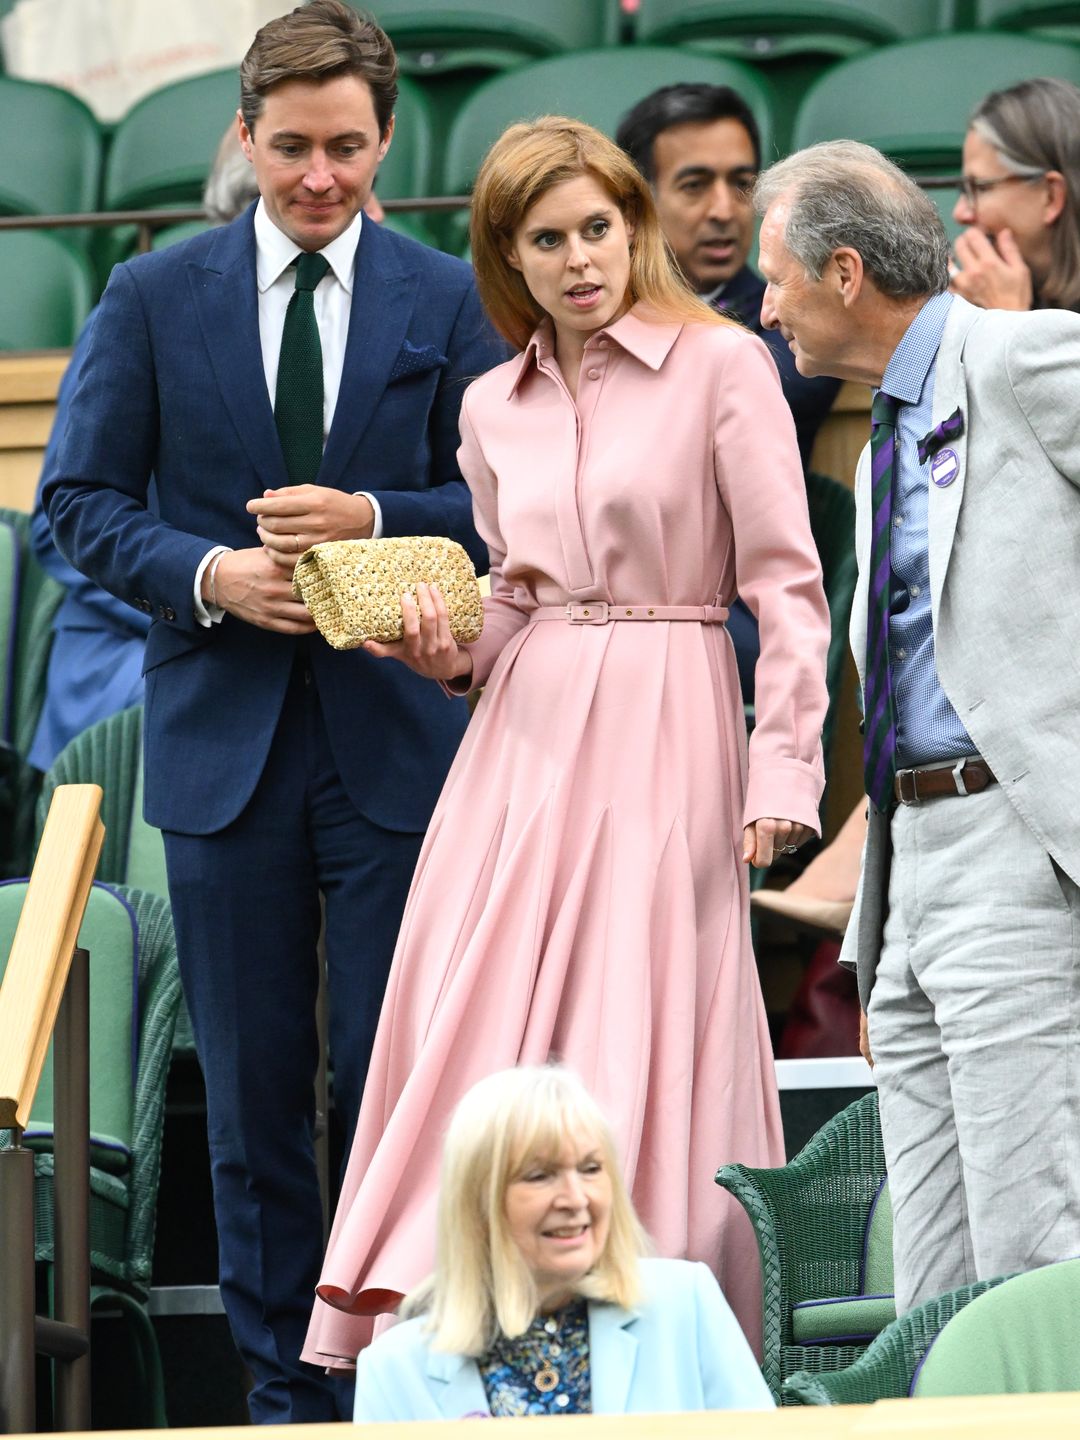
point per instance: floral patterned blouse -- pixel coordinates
(545, 1371)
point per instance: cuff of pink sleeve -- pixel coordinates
(784, 790)
(459, 687)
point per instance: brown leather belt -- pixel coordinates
(931, 782)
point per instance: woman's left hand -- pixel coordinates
(765, 839)
(427, 645)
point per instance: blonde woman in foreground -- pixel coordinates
(540, 1303)
(582, 890)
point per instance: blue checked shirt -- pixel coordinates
(927, 726)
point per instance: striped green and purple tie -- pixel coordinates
(879, 727)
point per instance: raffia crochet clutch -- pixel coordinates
(353, 588)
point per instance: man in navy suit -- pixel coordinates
(277, 767)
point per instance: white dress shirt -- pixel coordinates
(274, 255)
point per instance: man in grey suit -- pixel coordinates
(966, 929)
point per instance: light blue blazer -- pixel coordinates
(680, 1349)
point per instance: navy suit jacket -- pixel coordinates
(173, 385)
(809, 398)
(95, 664)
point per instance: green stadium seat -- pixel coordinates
(164, 146)
(914, 100)
(1050, 19)
(408, 167)
(1018, 1339)
(172, 234)
(434, 36)
(598, 86)
(451, 48)
(52, 151)
(48, 291)
(796, 40)
(765, 29)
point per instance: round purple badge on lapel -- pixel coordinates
(944, 468)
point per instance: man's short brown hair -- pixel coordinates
(319, 41)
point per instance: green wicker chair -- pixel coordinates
(109, 754)
(28, 601)
(887, 1368)
(135, 993)
(821, 1239)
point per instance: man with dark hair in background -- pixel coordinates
(292, 378)
(700, 150)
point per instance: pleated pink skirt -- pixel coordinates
(580, 896)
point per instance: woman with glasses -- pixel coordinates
(1020, 198)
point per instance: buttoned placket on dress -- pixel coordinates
(568, 500)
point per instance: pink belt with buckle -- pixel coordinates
(599, 612)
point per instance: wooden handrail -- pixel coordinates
(37, 968)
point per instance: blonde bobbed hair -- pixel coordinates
(525, 162)
(482, 1287)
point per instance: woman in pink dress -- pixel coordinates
(582, 891)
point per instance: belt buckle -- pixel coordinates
(898, 788)
(590, 612)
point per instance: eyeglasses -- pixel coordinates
(973, 190)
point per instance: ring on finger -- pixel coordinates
(296, 543)
(788, 849)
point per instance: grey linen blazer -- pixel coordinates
(1004, 543)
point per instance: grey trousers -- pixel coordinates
(974, 1024)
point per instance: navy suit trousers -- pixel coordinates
(246, 906)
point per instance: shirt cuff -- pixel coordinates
(205, 614)
(376, 521)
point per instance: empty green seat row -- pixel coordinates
(911, 99)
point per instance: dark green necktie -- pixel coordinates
(298, 406)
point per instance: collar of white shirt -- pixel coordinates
(275, 252)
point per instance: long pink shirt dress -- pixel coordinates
(580, 894)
